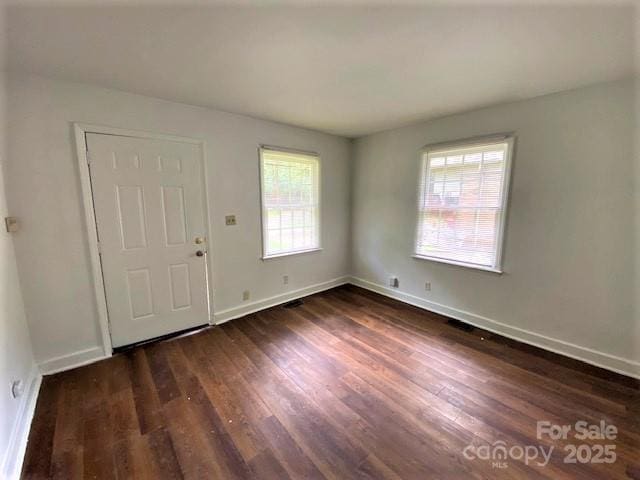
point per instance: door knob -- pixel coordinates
(199, 253)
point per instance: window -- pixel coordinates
(290, 202)
(462, 203)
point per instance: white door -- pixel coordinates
(150, 214)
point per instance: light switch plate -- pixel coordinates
(11, 223)
(230, 220)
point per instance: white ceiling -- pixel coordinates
(344, 70)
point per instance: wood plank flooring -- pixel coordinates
(349, 385)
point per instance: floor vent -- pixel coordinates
(293, 304)
(460, 325)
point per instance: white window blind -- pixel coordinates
(290, 202)
(462, 203)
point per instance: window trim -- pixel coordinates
(509, 139)
(263, 225)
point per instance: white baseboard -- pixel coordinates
(90, 355)
(14, 456)
(614, 363)
(607, 361)
(246, 309)
(72, 360)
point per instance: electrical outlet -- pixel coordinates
(11, 223)
(230, 220)
(245, 295)
(427, 286)
(17, 388)
(285, 279)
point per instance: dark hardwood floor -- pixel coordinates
(349, 385)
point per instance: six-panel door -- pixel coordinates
(149, 208)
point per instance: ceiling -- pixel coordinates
(346, 70)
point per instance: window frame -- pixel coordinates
(263, 208)
(423, 182)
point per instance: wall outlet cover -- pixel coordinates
(11, 223)
(17, 388)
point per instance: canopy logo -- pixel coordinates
(498, 453)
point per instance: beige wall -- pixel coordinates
(569, 252)
(45, 193)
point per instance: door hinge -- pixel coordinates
(88, 158)
(99, 248)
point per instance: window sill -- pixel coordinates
(288, 254)
(458, 264)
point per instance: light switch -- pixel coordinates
(230, 220)
(11, 223)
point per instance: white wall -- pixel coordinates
(45, 194)
(569, 268)
(16, 357)
(568, 258)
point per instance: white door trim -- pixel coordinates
(80, 130)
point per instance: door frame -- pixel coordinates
(80, 130)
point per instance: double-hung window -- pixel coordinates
(290, 185)
(462, 202)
